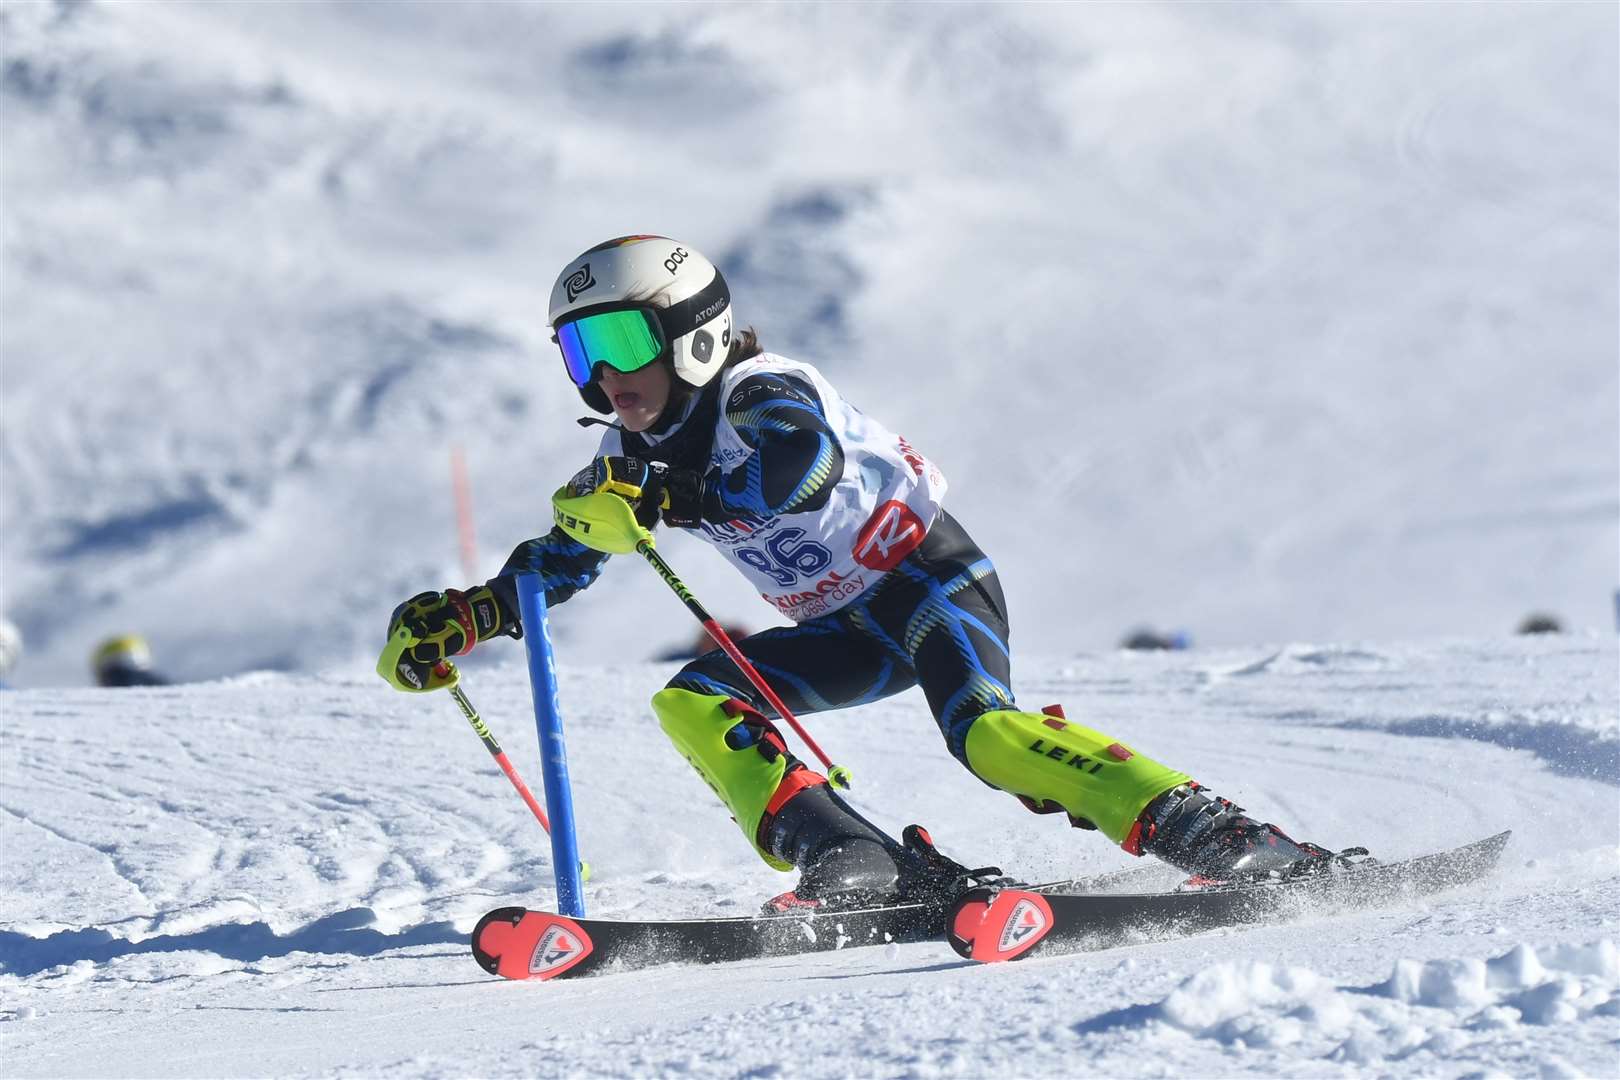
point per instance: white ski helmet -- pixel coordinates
(681, 311)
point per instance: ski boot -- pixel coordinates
(844, 861)
(1054, 765)
(793, 816)
(1211, 839)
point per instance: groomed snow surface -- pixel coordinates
(276, 875)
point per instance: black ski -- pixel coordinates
(992, 925)
(520, 943)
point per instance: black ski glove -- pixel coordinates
(682, 498)
(445, 625)
(654, 489)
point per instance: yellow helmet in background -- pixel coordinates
(126, 652)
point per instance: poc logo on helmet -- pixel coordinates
(676, 257)
(578, 282)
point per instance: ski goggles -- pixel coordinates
(625, 340)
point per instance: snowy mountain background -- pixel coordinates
(1294, 326)
(1268, 322)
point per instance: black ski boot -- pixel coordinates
(846, 862)
(1211, 839)
(937, 879)
(843, 858)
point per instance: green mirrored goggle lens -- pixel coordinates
(623, 340)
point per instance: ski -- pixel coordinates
(985, 925)
(524, 943)
(989, 925)
(519, 943)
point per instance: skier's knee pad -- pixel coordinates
(744, 779)
(1049, 759)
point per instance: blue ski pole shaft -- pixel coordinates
(553, 754)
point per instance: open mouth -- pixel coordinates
(626, 401)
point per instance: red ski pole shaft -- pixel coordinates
(835, 773)
(495, 750)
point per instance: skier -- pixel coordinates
(840, 524)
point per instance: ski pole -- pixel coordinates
(836, 774)
(446, 670)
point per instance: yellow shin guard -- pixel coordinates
(744, 780)
(1052, 760)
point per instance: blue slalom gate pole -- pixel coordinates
(553, 754)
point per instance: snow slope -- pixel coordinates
(275, 874)
(1307, 314)
(1304, 316)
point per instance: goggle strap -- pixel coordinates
(682, 318)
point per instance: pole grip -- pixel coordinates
(553, 753)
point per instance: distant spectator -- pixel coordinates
(11, 646)
(125, 660)
(1541, 623)
(1145, 639)
(702, 643)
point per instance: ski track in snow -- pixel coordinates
(276, 874)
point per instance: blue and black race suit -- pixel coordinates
(938, 619)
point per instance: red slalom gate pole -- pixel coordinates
(464, 518)
(836, 774)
